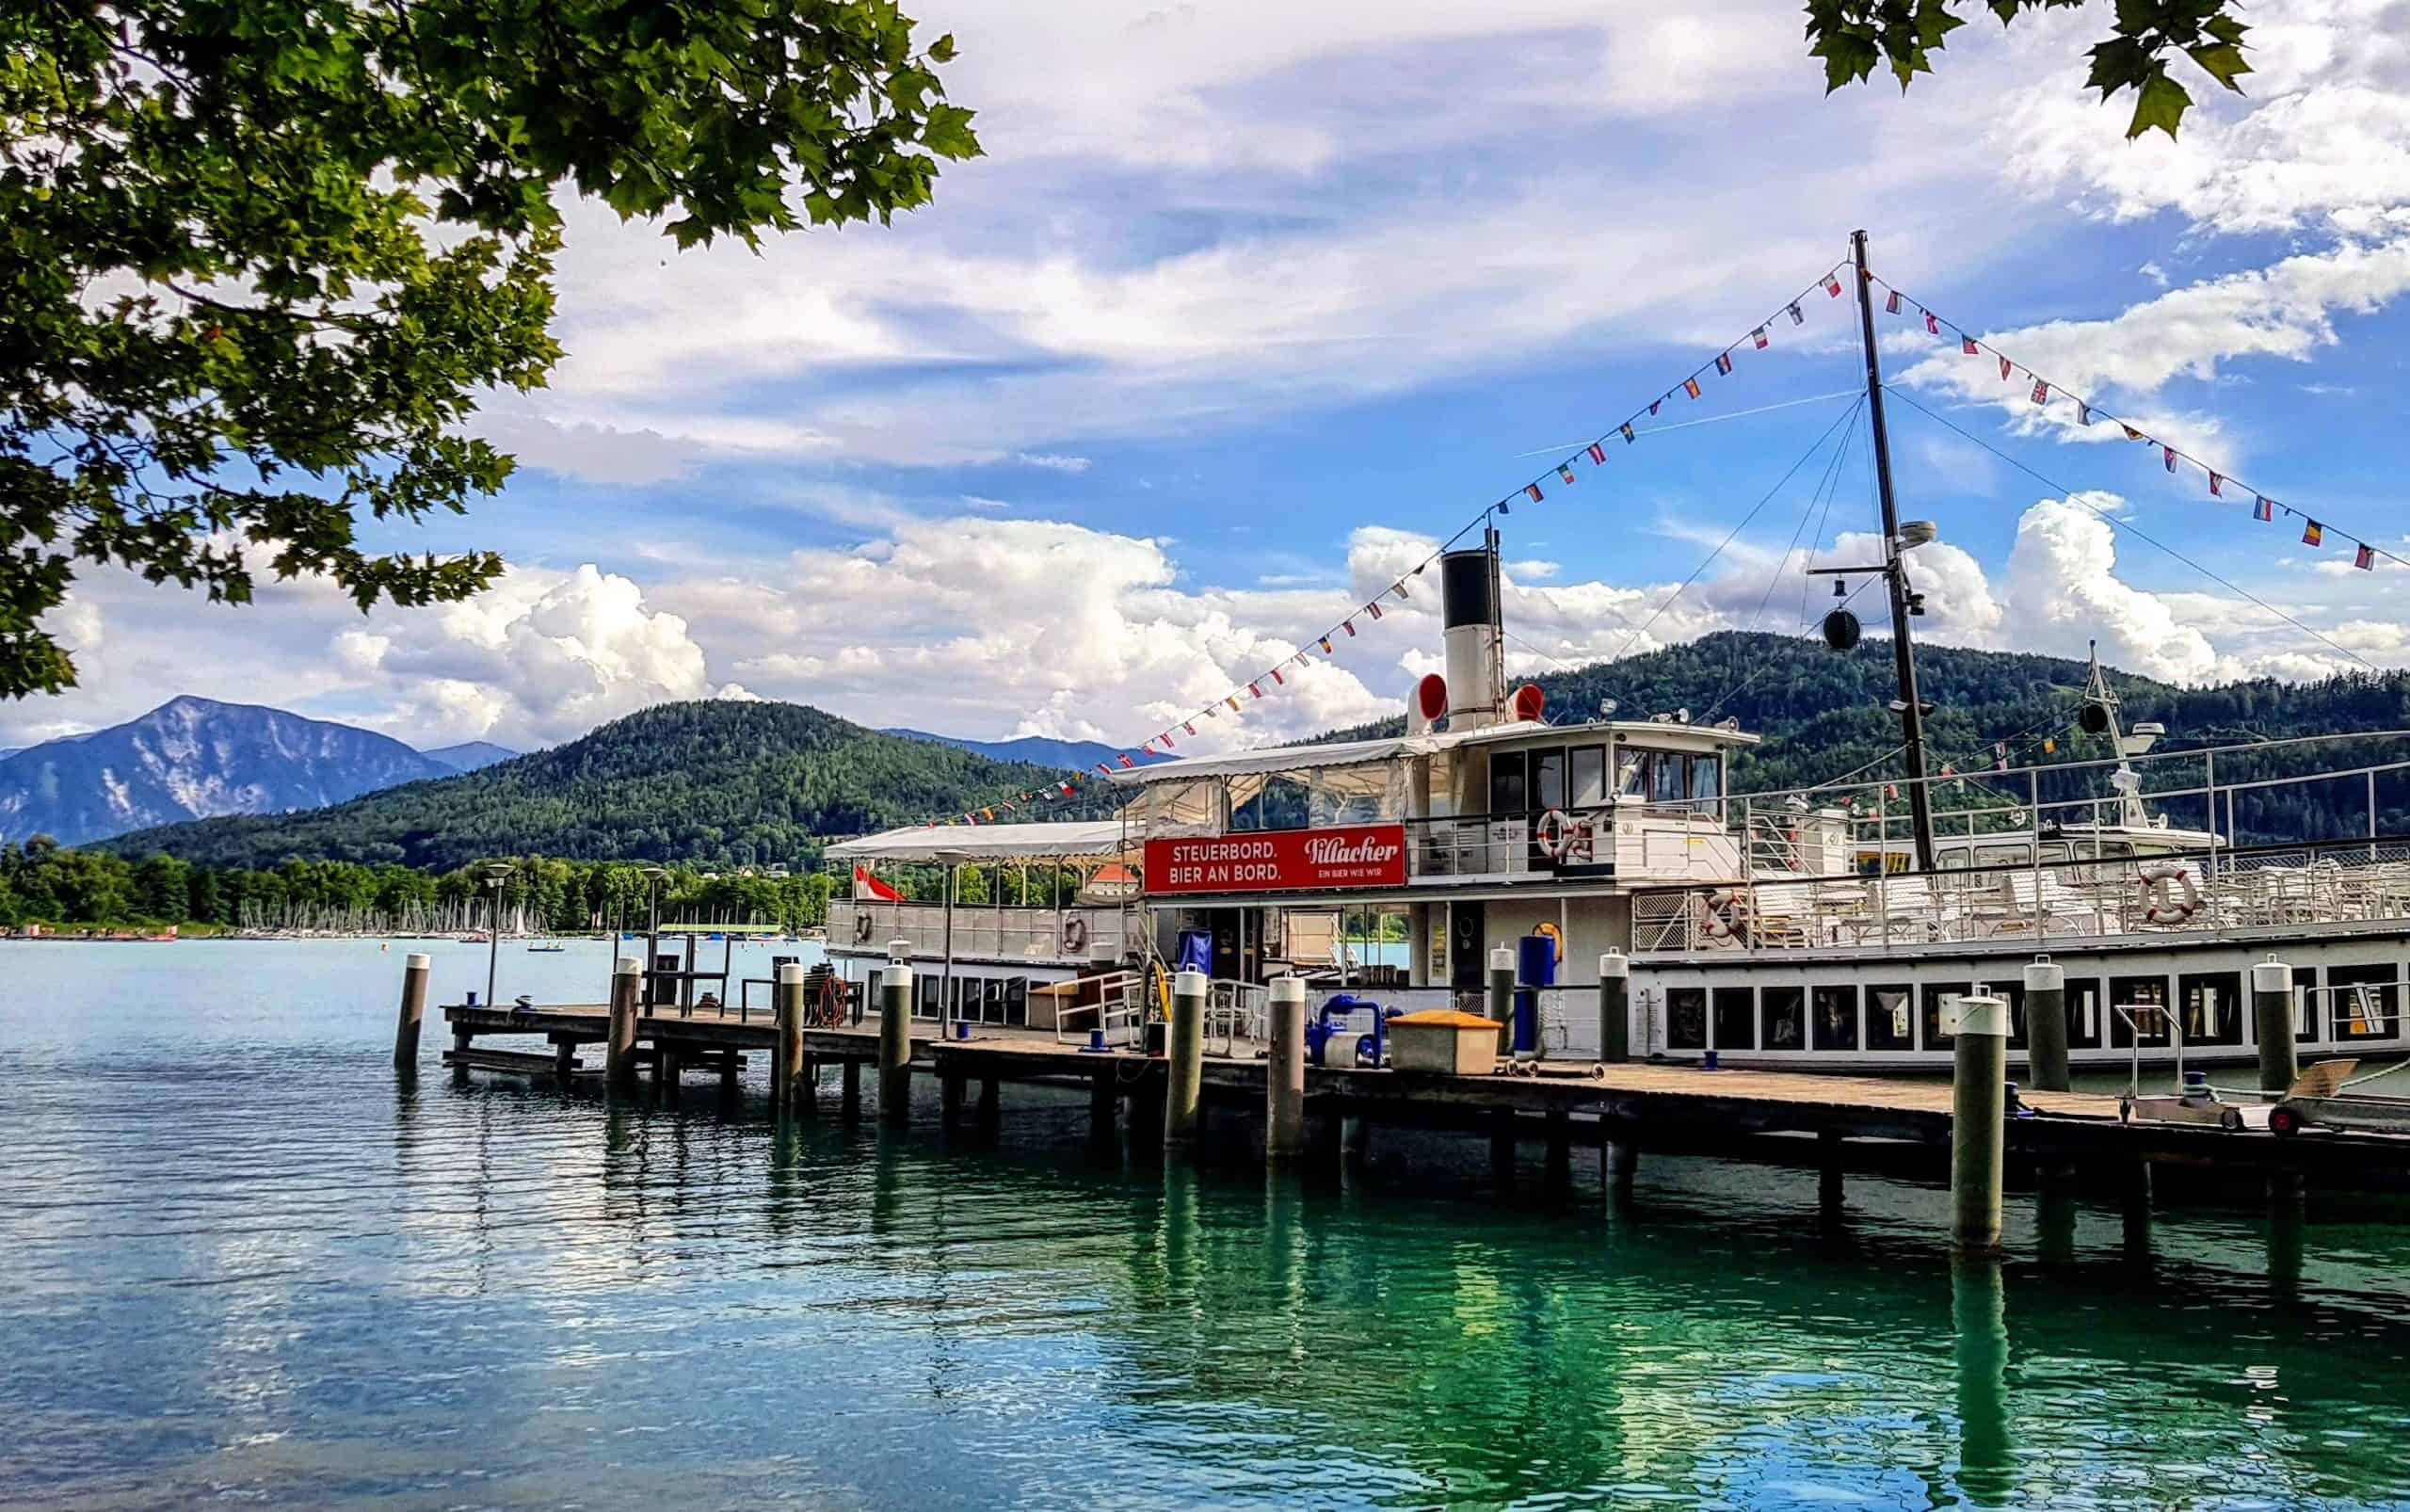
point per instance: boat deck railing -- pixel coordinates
(1074, 936)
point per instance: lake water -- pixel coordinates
(244, 1266)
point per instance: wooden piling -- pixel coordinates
(950, 1084)
(2272, 1014)
(1284, 1076)
(1615, 1006)
(1501, 1147)
(991, 1104)
(619, 1041)
(850, 1089)
(1829, 1188)
(1185, 1060)
(895, 1046)
(564, 1059)
(786, 1062)
(414, 975)
(2046, 1026)
(1105, 1099)
(1978, 1123)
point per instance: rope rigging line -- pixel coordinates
(2074, 495)
(1813, 447)
(2086, 410)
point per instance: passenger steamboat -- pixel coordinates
(1756, 928)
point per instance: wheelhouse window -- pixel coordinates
(1668, 781)
(1707, 782)
(1589, 777)
(1548, 780)
(1507, 791)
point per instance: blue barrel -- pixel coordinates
(1527, 1020)
(1535, 961)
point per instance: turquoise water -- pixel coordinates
(244, 1266)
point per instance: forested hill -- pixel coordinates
(719, 782)
(1823, 713)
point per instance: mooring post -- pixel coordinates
(950, 1084)
(414, 972)
(1830, 1191)
(1615, 1006)
(1558, 1172)
(2046, 1026)
(786, 1065)
(565, 1059)
(2272, 1015)
(1185, 1060)
(619, 1048)
(1104, 1097)
(850, 1089)
(1978, 1123)
(1284, 1071)
(1619, 1162)
(1501, 996)
(991, 1104)
(895, 1041)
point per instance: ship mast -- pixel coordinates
(1904, 603)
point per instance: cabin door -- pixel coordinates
(1467, 959)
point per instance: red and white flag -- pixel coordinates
(867, 886)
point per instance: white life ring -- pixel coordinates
(1553, 833)
(862, 925)
(2157, 906)
(1075, 934)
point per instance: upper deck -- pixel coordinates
(1521, 805)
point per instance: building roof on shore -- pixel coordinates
(1065, 840)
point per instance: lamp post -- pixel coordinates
(495, 873)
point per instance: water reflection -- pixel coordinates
(276, 1277)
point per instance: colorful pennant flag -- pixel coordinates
(1277, 680)
(1190, 726)
(1758, 337)
(1833, 286)
(2132, 434)
(1796, 318)
(1374, 608)
(2048, 746)
(1967, 345)
(1565, 471)
(2264, 509)
(1254, 692)
(1631, 435)
(1127, 765)
(2217, 489)
(2365, 559)
(1689, 386)
(1325, 645)
(1724, 362)
(1534, 489)
(2003, 370)
(2040, 391)
(2312, 533)
(1232, 701)
(1348, 625)
(1599, 453)
(2169, 452)
(1654, 403)
(1932, 327)
(1891, 305)
(2083, 412)
(1102, 769)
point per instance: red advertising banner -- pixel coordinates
(1285, 861)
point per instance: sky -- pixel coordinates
(1249, 306)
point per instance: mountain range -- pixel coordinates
(1039, 750)
(191, 758)
(716, 781)
(733, 782)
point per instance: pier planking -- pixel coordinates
(1643, 1106)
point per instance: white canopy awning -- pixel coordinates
(1284, 759)
(1068, 840)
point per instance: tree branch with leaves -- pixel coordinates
(258, 258)
(1854, 37)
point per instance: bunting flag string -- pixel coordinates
(1757, 337)
(2263, 509)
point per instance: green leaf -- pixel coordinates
(2223, 61)
(2160, 105)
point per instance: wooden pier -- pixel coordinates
(1624, 1108)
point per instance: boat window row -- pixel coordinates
(2208, 1008)
(1574, 777)
(997, 1000)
